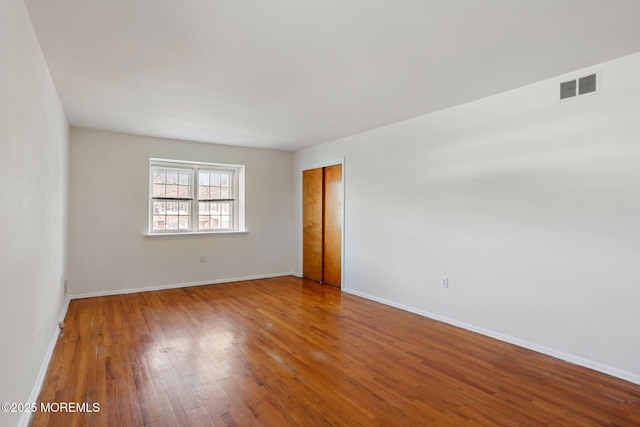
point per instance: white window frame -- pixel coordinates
(238, 203)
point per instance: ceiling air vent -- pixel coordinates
(577, 87)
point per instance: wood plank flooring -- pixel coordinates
(290, 352)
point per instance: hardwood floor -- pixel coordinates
(290, 352)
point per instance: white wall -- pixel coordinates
(530, 206)
(33, 189)
(108, 215)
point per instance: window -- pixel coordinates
(195, 197)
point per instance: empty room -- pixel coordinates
(349, 213)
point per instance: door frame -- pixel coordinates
(339, 161)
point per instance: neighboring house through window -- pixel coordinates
(195, 197)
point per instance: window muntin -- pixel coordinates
(195, 197)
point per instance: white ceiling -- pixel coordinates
(289, 74)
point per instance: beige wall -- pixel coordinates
(33, 191)
(530, 206)
(108, 215)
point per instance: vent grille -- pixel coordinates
(587, 84)
(567, 89)
(577, 87)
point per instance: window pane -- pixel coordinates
(158, 223)
(183, 222)
(158, 190)
(203, 178)
(203, 223)
(171, 191)
(172, 222)
(184, 178)
(215, 192)
(159, 176)
(183, 208)
(183, 192)
(225, 222)
(204, 192)
(172, 177)
(159, 208)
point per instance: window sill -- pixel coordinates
(194, 234)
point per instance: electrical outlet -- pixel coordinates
(203, 258)
(445, 282)
(65, 288)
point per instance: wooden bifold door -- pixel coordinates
(322, 225)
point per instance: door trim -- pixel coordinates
(339, 161)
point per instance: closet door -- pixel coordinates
(332, 249)
(312, 236)
(322, 225)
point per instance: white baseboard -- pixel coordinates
(178, 285)
(37, 387)
(567, 357)
(65, 307)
